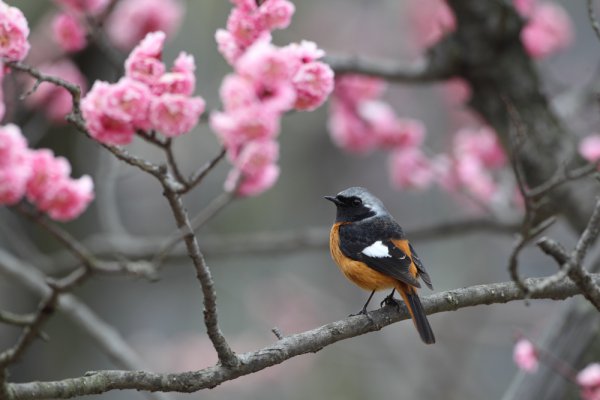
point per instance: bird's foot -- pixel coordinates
(363, 312)
(390, 301)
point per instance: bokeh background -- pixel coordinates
(299, 289)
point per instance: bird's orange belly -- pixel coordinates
(357, 272)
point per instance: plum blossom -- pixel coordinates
(252, 185)
(548, 30)
(132, 20)
(12, 144)
(257, 155)
(15, 167)
(175, 114)
(348, 130)
(313, 83)
(432, 20)
(481, 143)
(410, 168)
(248, 23)
(180, 80)
(525, 355)
(355, 88)
(56, 101)
(105, 124)
(92, 7)
(144, 63)
(589, 148)
(68, 32)
(588, 380)
(14, 31)
(46, 172)
(68, 198)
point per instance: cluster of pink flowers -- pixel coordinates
(268, 81)
(476, 154)
(40, 177)
(250, 22)
(56, 101)
(132, 20)
(146, 98)
(527, 357)
(548, 27)
(14, 46)
(128, 23)
(359, 122)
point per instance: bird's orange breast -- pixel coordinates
(356, 271)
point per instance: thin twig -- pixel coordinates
(592, 17)
(199, 175)
(290, 346)
(173, 163)
(9, 318)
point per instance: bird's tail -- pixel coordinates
(415, 308)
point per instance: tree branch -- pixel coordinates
(289, 346)
(433, 68)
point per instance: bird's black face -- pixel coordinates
(350, 208)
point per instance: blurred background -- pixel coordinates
(299, 288)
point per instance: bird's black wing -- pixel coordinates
(371, 243)
(420, 267)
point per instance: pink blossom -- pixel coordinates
(410, 168)
(144, 62)
(240, 126)
(13, 180)
(472, 174)
(105, 124)
(313, 83)
(2, 105)
(481, 143)
(68, 32)
(264, 64)
(277, 99)
(56, 101)
(391, 131)
(432, 19)
(12, 144)
(525, 7)
(589, 148)
(277, 14)
(588, 380)
(92, 7)
(227, 45)
(252, 185)
(355, 88)
(548, 30)
(14, 31)
(68, 198)
(131, 100)
(525, 355)
(47, 171)
(302, 53)
(245, 27)
(237, 91)
(132, 20)
(257, 155)
(175, 114)
(348, 130)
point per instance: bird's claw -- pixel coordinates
(390, 301)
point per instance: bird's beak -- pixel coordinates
(333, 200)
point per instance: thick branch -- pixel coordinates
(434, 68)
(284, 349)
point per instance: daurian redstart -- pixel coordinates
(372, 251)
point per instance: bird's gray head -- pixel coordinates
(356, 204)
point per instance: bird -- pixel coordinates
(372, 251)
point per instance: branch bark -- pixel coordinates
(97, 382)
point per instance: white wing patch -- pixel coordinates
(376, 250)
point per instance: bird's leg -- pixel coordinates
(389, 301)
(364, 309)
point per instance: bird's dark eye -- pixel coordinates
(356, 202)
